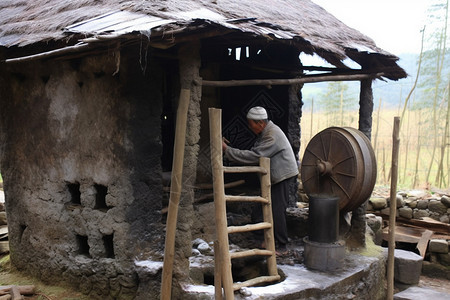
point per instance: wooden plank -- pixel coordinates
(423, 242)
(408, 234)
(175, 193)
(426, 223)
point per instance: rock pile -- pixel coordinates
(414, 205)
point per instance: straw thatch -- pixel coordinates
(25, 22)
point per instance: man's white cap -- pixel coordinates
(257, 113)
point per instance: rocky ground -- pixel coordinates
(9, 276)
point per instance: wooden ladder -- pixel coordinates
(222, 256)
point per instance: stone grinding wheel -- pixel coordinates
(340, 162)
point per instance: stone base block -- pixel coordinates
(407, 266)
(323, 256)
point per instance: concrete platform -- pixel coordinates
(361, 277)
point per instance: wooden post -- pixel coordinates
(269, 238)
(392, 209)
(175, 193)
(215, 125)
(217, 272)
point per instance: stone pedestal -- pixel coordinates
(323, 256)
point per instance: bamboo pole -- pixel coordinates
(215, 125)
(175, 193)
(392, 209)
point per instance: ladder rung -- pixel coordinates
(249, 227)
(252, 252)
(254, 281)
(246, 198)
(245, 169)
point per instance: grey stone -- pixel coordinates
(374, 222)
(407, 266)
(420, 213)
(197, 242)
(3, 220)
(386, 211)
(437, 207)
(444, 219)
(438, 246)
(422, 204)
(444, 259)
(417, 193)
(416, 292)
(204, 248)
(445, 200)
(411, 202)
(400, 201)
(402, 193)
(378, 202)
(405, 212)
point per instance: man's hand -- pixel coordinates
(225, 143)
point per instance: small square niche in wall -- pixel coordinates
(100, 197)
(75, 194)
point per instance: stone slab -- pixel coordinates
(407, 266)
(361, 277)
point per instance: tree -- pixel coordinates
(435, 75)
(336, 102)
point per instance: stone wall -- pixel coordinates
(81, 162)
(415, 205)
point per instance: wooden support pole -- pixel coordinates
(215, 125)
(392, 209)
(289, 81)
(217, 272)
(175, 193)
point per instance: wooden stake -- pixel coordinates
(392, 209)
(217, 272)
(175, 193)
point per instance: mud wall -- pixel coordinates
(81, 163)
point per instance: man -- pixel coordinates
(271, 142)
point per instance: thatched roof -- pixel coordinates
(305, 24)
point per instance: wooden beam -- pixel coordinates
(290, 81)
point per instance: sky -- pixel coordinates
(394, 25)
